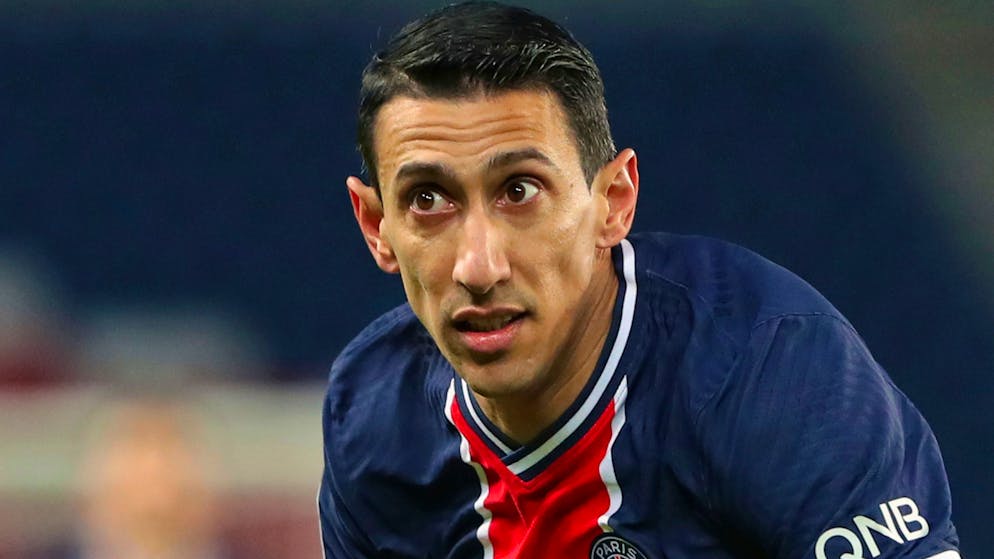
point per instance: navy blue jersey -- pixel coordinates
(733, 413)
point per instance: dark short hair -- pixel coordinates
(485, 47)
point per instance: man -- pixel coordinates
(145, 486)
(556, 388)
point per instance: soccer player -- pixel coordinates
(558, 388)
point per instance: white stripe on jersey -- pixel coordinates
(608, 475)
(479, 423)
(952, 554)
(483, 531)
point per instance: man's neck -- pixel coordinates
(524, 417)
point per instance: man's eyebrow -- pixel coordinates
(506, 158)
(421, 169)
(503, 159)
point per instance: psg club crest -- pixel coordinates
(610, 546)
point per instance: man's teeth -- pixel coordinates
(488, 324)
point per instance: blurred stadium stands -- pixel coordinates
(173, 219)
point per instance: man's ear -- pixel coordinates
(368, 211)
(618, 183)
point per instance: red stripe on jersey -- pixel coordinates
(554, 514)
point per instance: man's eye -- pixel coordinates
(520, 191)
(428, 201)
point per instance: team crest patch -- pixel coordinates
(610, 546)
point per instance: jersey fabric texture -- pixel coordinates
(733, 413)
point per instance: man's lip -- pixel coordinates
(477, 313)
(493, 342)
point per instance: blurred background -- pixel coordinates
(179, 265)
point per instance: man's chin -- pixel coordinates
(494, 380)
(464, 358)
(493, 390)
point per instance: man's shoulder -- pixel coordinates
(390, 374)
(394, 336)
(729, 284)
(388, 445)
(712, 301)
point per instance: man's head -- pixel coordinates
(486, 207)
(482, 47)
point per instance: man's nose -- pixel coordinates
(481, 262)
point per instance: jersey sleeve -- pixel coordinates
(341, 536)
(811, 451)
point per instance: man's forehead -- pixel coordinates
(485, 130)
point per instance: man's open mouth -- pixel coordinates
(486, 324)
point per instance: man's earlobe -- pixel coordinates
(618, 183)
(368, 210)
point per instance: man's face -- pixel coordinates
(488, 218)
